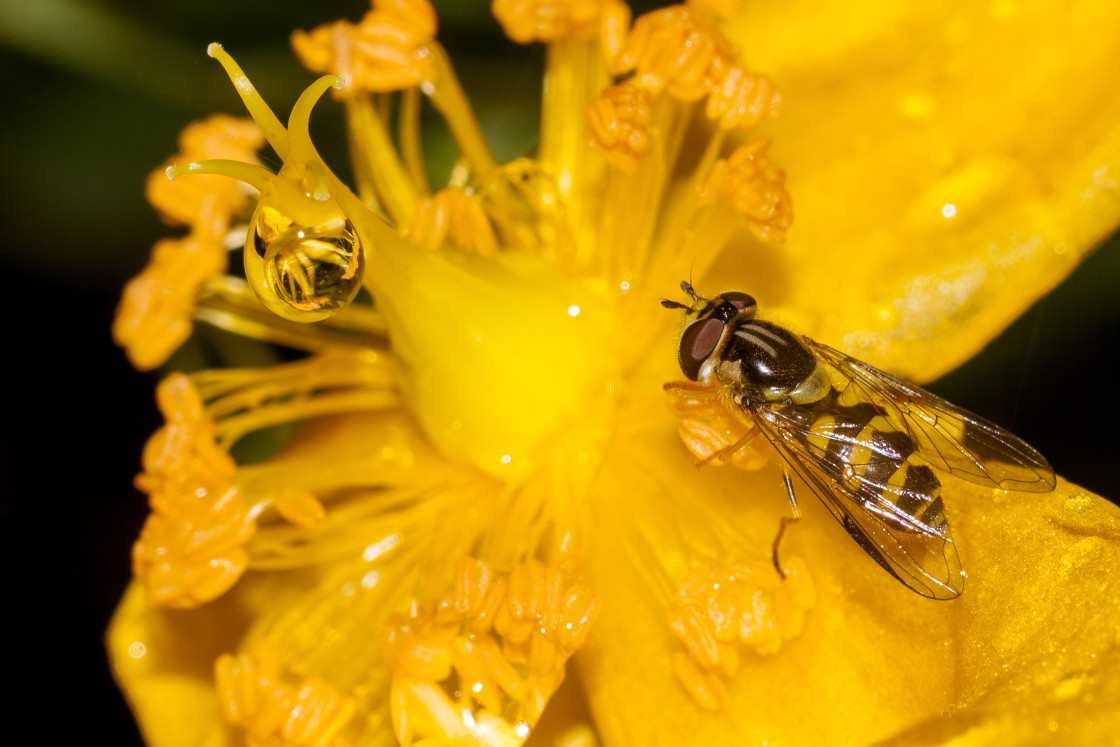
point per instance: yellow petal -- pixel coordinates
(1001, 114)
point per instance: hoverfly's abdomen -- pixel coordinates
(767, 359)
(877, 460)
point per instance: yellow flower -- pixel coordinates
(489, 482)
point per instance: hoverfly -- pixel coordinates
(865, 442)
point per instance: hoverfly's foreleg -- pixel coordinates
(727, 451)
(786, 520)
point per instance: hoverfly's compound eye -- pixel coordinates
(697, 344)
(739, 300)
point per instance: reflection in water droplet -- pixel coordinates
(303, 273)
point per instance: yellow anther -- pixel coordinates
(472, 579)
(206, 204)
(742, 98)
(274, 712)
(746, 603)
(614, 25)
(673, 50)
(191, 548)
(618, 126)
(754, 189)
(715, 8)
(527, 21)
(183, 456)
(696, 633)
(194, 554)
(504, 638)
(386, 51)
(458, 215)
(155, 315)
(300, 508)
(705, 687)
(710, 429)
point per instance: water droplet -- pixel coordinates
(303, 273)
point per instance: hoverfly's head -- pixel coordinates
(704, 322)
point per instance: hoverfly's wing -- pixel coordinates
(946, 436)
(902, 528)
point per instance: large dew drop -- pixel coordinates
(303, 273)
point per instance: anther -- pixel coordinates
(386, 51)
(741, 99)
(527, 21)
(673, 50)
(618, 126)
(752, 188)
(745, 603)
(456, 215)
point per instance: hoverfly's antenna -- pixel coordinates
(687, 288)
(674, 304)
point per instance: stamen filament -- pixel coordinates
(408, 133)
(447, 96)
(575, 72)
(229, 303)
(269, 123)
(376, 159)
(233, 428)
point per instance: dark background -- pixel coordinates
(95, 95)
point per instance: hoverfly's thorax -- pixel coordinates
(770, 363)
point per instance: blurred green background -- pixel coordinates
(96, 95)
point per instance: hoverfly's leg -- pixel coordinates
(786, 520)
(729, 450)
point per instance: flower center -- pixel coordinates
(498, 355)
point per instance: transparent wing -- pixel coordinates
(903, 529)
(946, 436)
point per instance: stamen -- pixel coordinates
(673, 50)
(742, 99)
(154, 315)
(715, 8)
(746, 603)
(192, 547)
(376, 161)
(709, 428)
(386, 51)
(271, 710)
(527, 21)
(619, 121)
(446, 95)
(488, 655)
(409, 138)
(752, 188)
(228, 303)
(614, 25)
(454, 213)
(341, 380)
